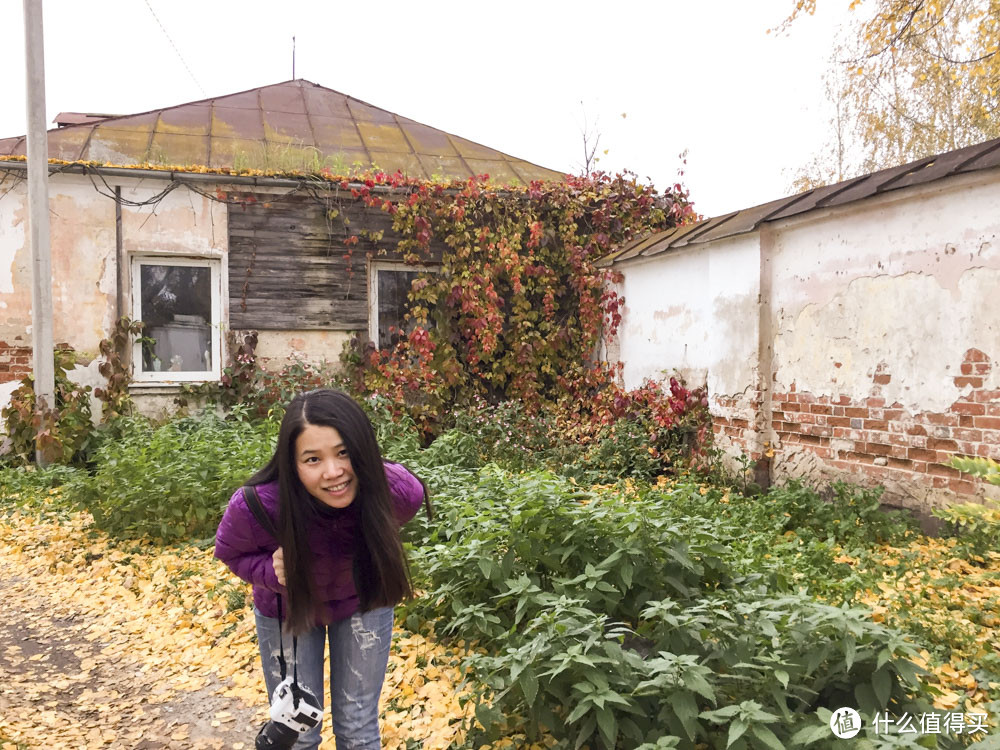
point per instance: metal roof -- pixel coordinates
(969, 159)
(292, 126)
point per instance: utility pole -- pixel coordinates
(38, 218)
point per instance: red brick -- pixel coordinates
(950, 420)
(838, 421)
(967, 448)
(843, 400)
(962, 381)
(981, 368)
(921, 454)
(985, 396)
(876, 424)
(879, 449)
(820, 409)
(986, 450)
(859, 458)
(975, 355)
(805, 417)
(940, 483)
(941, 470)
(966, 367)
(988, 423)
(892, 415)
(965, 433)
(807, 398)
(855, 411)
(920, 466)
(965, 420)
(791, 406)
(876, 402)
(962, 487)
(838, 411)
(938, 444)
(916, 429)
(900, 463)
(993, 410)
(882, 379)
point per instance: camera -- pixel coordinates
(293, 710)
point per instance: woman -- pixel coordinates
(337, 563)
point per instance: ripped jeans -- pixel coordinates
(359, 654)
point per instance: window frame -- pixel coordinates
(139, 375)
(374, 268)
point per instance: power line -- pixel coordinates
(179, 55)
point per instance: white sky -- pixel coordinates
(700, 75)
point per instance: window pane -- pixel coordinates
(393, 288)
(176, 306)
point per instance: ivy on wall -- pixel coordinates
(519, 303)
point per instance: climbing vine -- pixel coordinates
(519, 301)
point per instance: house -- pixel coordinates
(849, 332)
(175, 217)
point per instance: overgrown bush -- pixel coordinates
(172, 482)
(63, 432)
(615, 619)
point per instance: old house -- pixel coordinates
(848, 332)
(172, 217)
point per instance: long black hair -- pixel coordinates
(381, 575)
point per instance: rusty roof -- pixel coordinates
(292, 126)
(961, 161)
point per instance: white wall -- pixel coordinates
(693, 310)
(870, 332)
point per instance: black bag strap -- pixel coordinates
(257, 508)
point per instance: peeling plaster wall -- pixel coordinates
(692, 310)
(909, 284)
(86, 274)
(695, 310)
(875, 327)
(275, 348)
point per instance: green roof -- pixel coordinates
(295, 125)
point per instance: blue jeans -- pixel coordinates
(359, 654)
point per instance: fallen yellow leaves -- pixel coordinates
(108, 645)
(953, 598)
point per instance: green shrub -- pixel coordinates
(27, 486)
(171, 482)
(69, 426)
(615, 620)
(976, 526)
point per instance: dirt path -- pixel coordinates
(133, 647)
(81, 666)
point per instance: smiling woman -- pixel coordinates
(327, 542)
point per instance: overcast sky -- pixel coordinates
(652, 78)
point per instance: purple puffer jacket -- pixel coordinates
(243, 545)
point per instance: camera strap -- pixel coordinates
(257, 508)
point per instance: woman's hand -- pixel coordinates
(278, 559)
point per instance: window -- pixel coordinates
(388, 300)
(178, 300)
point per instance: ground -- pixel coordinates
(115, 646)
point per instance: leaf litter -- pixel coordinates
(119, 645)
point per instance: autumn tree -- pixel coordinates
(912, 78)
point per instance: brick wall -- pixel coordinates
(885, 441)
(735, 420)
(15, 362)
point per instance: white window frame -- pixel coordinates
(373, 271)
(160, 376)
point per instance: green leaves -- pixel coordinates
(173, 481)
